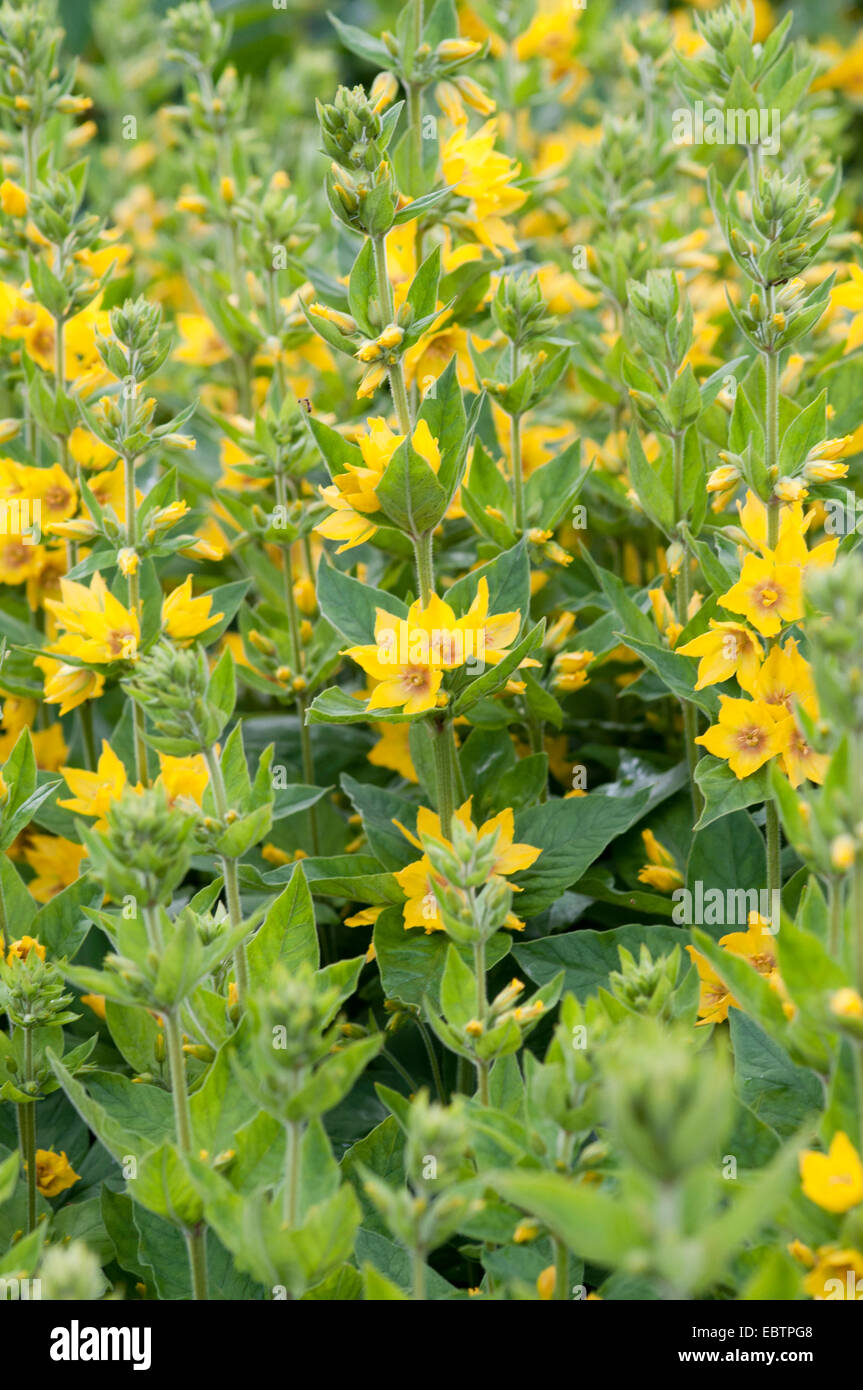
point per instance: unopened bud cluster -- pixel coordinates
(473, 901)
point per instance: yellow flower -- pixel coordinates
(415, 880)
(791, 546)
(65, 685)
(727, 649)
(843, 1267)
(783, 677)
(746, 735)
(843, 852)
(200, 343)
(20, 949)
(799, 759)
(108, 488)
(833, 1180)
(366, 918)
(54, 1173)
(392, 751)
(184, 776)
(96, 1002)
(94, 792)
(487, 638)
(768, 594)
(754, 945)
(661, 872)
(57, 863)
(664, 615)
(89, 451)
(569, 671)
(476, 171)
(846, 1003)
(352, 493)
(98, 627)
(425, 361)
(410, 655)
(13, 199)
(184, 617)
(545, 1283)
(850, 296)
(19, 559)
(53, 489)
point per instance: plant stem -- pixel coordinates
(134, 601)
(28, 141)
(179, 1094)
(415, 121)
(771, 454)
(482, 1065)
(396, 371)
(196, 1239)
(291, 1190)
(835, 905)
(232, 883)
(297, 663)
(515, 449)
(428, 1043)
(423, 554)
(26, 1112)
(444, 773)
(684, 597)
(460, 788)
(196, 1247)
(774, 871)
(561, 1269)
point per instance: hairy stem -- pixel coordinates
(231, 875)
(444, 772)
(291, 1190)
(683, 598)
(396, 371)
(515, 448)
(196, 1239)
(423, 555)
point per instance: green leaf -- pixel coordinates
(572, 833)
(458, 990)
(380, 809)
(351, 606)
(409, 493)
(728, 854)
(163, 1186)
(288, 933)
(723, 792)
(590, 1222)
(128, 1119)
(60, 924)
(508, 579)
(363, 287)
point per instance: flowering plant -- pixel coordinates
(431, 609)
